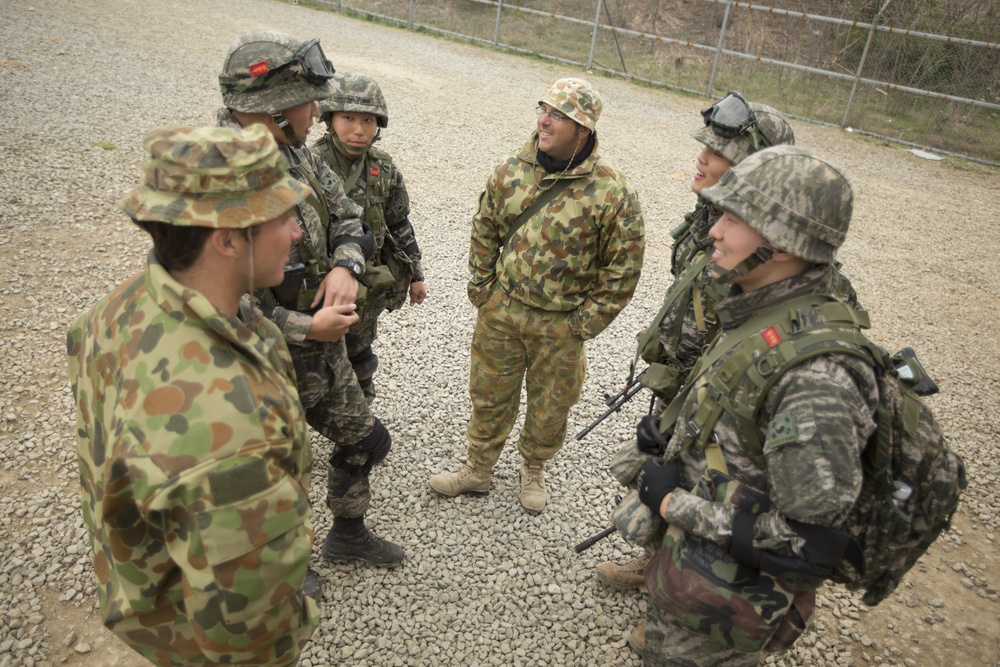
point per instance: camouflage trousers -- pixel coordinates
(336, 407)
(514, 343)
(669, 643)
(359, 342)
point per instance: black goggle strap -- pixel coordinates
(286, 127)
(759, 256)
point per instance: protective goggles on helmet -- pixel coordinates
(730, 117)
(308, 63)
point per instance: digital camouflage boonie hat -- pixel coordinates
(213, 177)
(770, 129)
(795, 198)
(577, 99)
(358, 93)
(269, 72)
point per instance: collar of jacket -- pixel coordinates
(738, 307)
(529, 149)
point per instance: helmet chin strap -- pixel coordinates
(759, 256)
(286, 127)
(348, 150)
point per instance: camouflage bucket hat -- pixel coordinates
(796, 199)
(766, 127)
(269, 72)
(357, 93)
(577, 99)
(213, 177)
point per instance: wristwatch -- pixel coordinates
(356, 268)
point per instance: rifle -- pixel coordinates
(594, 539)
(615, 403)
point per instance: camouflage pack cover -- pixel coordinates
(577, 99)
(771, 126)
(795, 198)
(358, 93)
(635, 521)
(213, 177)
(274, 49)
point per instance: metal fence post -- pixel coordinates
(409, 25)
(861, 65)
(496, 29)
(593, 38)
(718, 49)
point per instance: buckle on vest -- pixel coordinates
(766, 366)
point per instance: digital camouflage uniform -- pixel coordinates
(332, 232)
(376, 185)
(567, 273)
(194, 455)
(814, 422)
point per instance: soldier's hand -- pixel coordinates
(656, 479)
(418, 292)
(337, 289)
(332, 322)
(648, 438)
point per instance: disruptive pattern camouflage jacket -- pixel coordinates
(195, 463)
(330, 240)
(814, 423)
(582, 252)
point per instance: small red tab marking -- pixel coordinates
(771, 336)
(374, 171)
(259, 68)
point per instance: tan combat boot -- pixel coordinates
(473, 477)
(623, 576)
(533, 493)
(637, 638)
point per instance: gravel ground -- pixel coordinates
(484, 583)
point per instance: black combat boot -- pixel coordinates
(350, 539)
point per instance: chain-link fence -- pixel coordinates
(920, 72)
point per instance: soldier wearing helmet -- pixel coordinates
(276, 80)
(355, 115)
(732, 129)
(197, 430)
(785, 212)
(557, 246)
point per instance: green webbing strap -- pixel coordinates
(536, 206)
(356, 168)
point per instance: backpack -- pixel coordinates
(912, 480)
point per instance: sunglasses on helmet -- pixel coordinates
(730, 117)
(308, 62)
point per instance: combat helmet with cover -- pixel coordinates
(736, 129)
(268, 72)
(358, 93)
(799, 201)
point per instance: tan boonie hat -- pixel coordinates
(213, 177)
(577, 99)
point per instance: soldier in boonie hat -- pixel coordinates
(180, 384)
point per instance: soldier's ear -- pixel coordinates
(225, 242)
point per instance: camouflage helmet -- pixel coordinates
(577, 99)
(358, 93)
(795, 198)
(269, 72)
(213, 177)
(764, 126)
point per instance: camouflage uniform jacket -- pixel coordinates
(814, 424)
(691, 236)
(581, 253)
(381, 192)
(195, 462)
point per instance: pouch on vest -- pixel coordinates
(706, 589)
(373, 285)
(662, 380)
(635, 521)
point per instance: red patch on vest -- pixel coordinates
(771, 336)
(259, 68)
(374, 171)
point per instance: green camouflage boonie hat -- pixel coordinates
(577, 99)
(770, 129)
(269, 72)
(213, 177)
(358, 93)
(795, 198)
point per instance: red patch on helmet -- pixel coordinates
(771, 336)
(259, 68)
(374, 171)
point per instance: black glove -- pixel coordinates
(655, 480)
(648, 438)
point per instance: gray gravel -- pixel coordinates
(484, 583)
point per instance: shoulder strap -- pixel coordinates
(352, 178)
(536, 206)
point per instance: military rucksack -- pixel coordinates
(912, 480)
